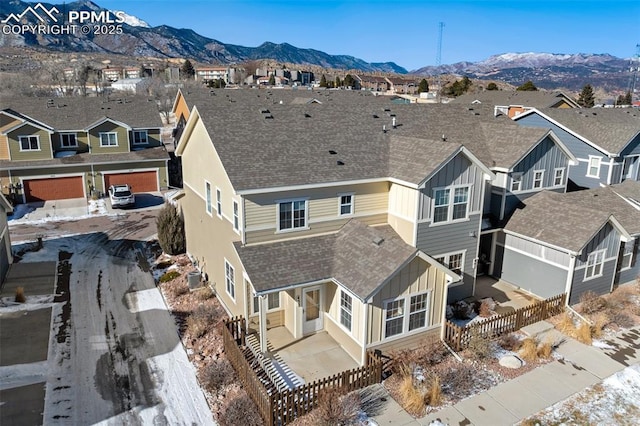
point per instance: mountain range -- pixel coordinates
(549, 71)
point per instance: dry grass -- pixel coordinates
(434, 394)
(566, 324)
(510, 342)
(200, 321)
(204, 293)
(591, 303)
(413, 399)
(529, 350)
(600, 321)
(479, 345)
(583, 333)
(336, 408)
(240, 411)
(429, 352)
(20, 297)
(544, 349)
(484, 311)
(217, 374)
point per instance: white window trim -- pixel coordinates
(586, 265)
(632, 245)
(452, 190)
(306, 214)
(75, 138)
(405, 315)
(115, 134)
(541, 180)
(208, 198)
(20, 138)
(599, 160)
(518, 181)
(341, 308)
(352, 205)
(235, 220)
(555, 176)
(447, 257)
(218, 202)
(255, 310)
(226, 279)
(146, 137)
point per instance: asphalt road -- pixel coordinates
(114, 353)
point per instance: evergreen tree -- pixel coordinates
(423, 86)
(187, 69)
(349, 81)
(323, 81)
(272, 80)
(170, 226)
(586, 98)
(628, 100)
(492, 86)
(528, 87)
(338, 82)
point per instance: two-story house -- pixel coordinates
(606, 142)
(74, 147)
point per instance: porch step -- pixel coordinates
(278, 371)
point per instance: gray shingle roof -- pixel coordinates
(349, 256)
(75, 113)
(290, 144)
(609, 128)
(532, 99)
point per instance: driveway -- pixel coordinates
(114, 355)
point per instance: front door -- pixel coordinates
(312, 310)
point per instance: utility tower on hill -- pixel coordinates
(439, 58)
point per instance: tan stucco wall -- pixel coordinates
(370, 206)
(27, 130)
(108, 127)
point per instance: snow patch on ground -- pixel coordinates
(12, 376)
(33, 303)
(24, 214)
(602, 344)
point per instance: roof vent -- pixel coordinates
(387, 110)
(332, 152)
(340, 163)
(378, 241)
(393, 121)
(375, 116)
(384, 128)
(444, 138)
(268, 117)
(265, 111)
(306, 115)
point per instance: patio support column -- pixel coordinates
(262, 315)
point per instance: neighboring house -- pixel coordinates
(373, 82)
(606, 142)
(6, 256)
(574, 242)
(206, 74)
(401, 85)
(131, 85)
(74, 147)
(513, 103)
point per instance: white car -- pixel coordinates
(121, 196)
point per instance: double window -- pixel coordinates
(140, 137)
(593, 169)
(229, 277)
(346, 310)
(68, 140)
(406, 314)
(595, 262)
(109, 139)
(29, 143)
(453, 261)
(292, 214)
(450, 204)
(273, 302)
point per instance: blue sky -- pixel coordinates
(406, 32)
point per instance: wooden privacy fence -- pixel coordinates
(458, 337)
(283, 407)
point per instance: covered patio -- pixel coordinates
(508, 297)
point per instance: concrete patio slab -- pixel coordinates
(23, 405)
(447, 416)
(508, 296)
(483, 410)
(510, 395)
(24, 336)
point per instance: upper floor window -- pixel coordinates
(450, 204)
(218, 202)
(453, 261)
(627, 255)
(109, 139)
(516, 182)
(346, 204)
(538, 179)
(207, 190)
(68, 140)
(29, 143)
(140, 137)
(292, 214)
(346, 310)
(558, 177)
(595, 262)
(229, 277)
(594, 166)
(236, 216)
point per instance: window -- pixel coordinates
(345, 310)
(68, 140)
(273, 302)
(346, 204)
(29, 143)
(627, 255)
(394, 318)
(447, 208)
(207, 190)
(594, 167)
(453, 261)
(218, 202)
(236, 217)
(538, 178)
(140, 137)
(418, 311)
(595, 262)
(516, 181)
(229, 277)
(108, 139)
(558, 177)
(292, 214)
(397, 320)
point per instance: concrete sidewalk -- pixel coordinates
(580, 366)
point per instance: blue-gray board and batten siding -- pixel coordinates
(600, 285)
(578, 148)
(533, 275)
(457, 236)
(631, 274)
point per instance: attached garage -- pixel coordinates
(139, 181)
(53, 188)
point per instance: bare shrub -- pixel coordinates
(583, 333)
(460, 381)
(529, 350)
(600, 321)
(336, 408)
(462, 310)
(413, 399)
(621, 296)
(217, 375)
(240, 411)
(591, 303)
(200, 321)
(621, 318)
(429, 352)
(479, 345)
(434, 394)
(484, 310)
(544, 349)
(177, 288)
(204, 293)
(20, 297)
(509, 342)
